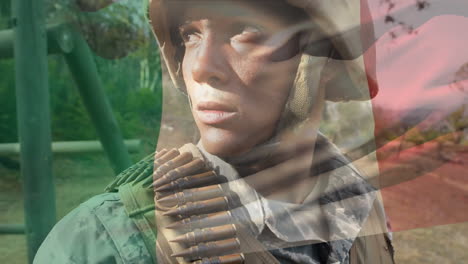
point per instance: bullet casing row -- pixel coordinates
(201, 207)
(210, 249)
(193, 195)
(160, 158)
(202, 221)
(207, 234)
(174, 163)
(209, 228)
(198, 180)
(167, 173)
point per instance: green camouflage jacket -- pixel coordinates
(97, 231)
(118, 227)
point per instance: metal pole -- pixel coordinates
(6, 43)
(57, 41)
(13, 229)
(84, 71)
(133, 145)
(32, 98)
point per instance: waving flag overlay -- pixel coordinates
(418, 55)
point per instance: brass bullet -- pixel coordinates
(179, 167)
(192, 195)
(202, 179)
(130, 173)
(202, 221)
(160, 195)
(144, 166)
(143, 172)
(229, 259)
(186, 223)
(171, 200)
(159, 154)
(166, 157)
(176, 173)
(121, 177)
(209, 249)
(179, 160)
(201, 207)
(158, 162)
(207, 234)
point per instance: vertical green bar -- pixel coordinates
(83, 68)
(32, 95)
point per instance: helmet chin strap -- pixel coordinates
(305, 97)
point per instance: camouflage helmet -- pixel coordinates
(339, 20)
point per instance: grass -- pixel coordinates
(76, 180)
(79, 178)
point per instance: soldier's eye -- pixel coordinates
(189, 35)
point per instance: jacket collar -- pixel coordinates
(334, 212)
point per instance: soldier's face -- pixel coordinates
(237, 74)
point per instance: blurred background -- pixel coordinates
(428, 213)
(127, 61)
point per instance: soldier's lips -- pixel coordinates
(213, 117)
(212, 113)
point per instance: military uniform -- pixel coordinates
(120, 227)
(97, 231)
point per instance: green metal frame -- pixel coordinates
(58, 41)
(133, 145)
(32, 99)
(12, 229)
(64, 40)
(83, 69)
(29, 43)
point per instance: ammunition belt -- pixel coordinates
(193, 216)
(192, 210)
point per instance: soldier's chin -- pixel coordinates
(223, 143)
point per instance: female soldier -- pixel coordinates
(262, 185)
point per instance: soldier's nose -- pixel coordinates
(210, 65)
